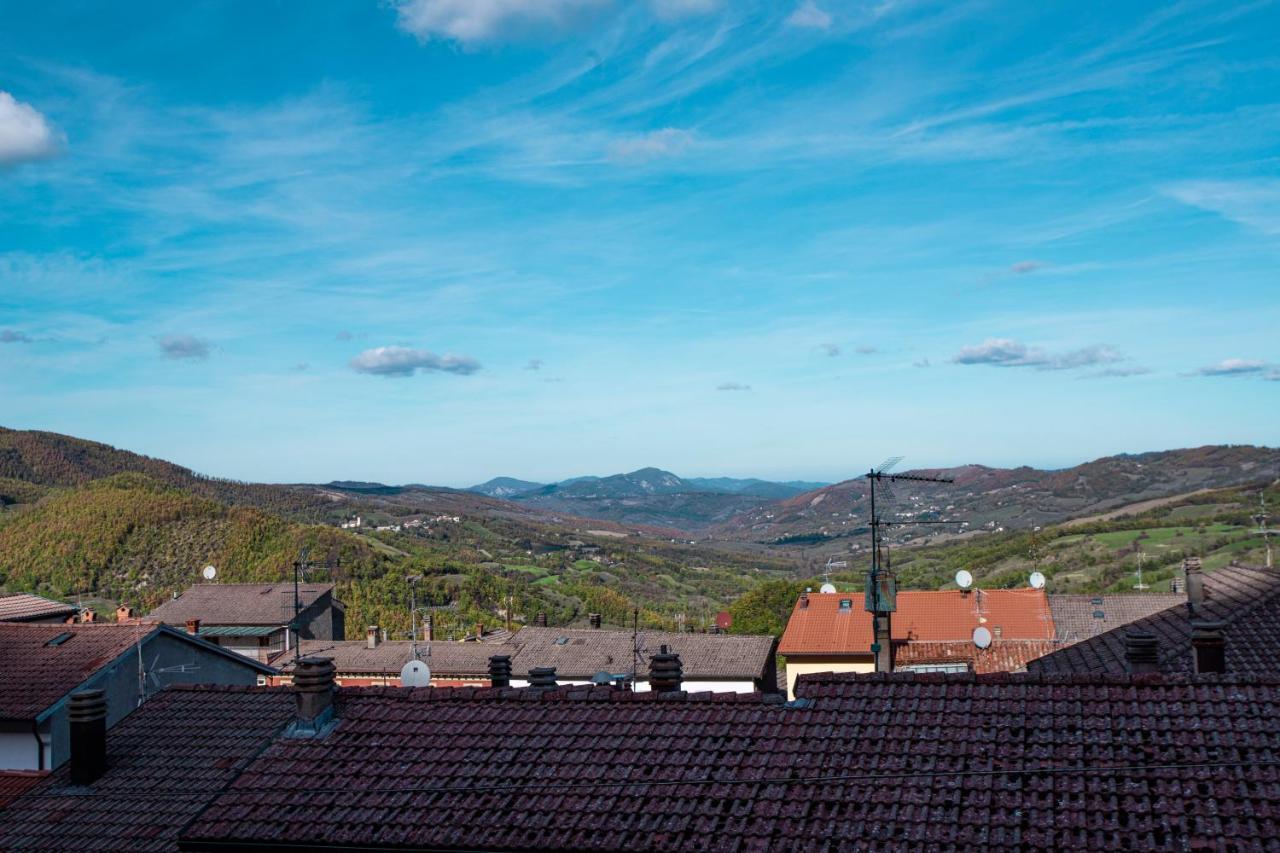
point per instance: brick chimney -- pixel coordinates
(804, 601)
(429, 627)
(543, 677)
(313, 690)
(87, 713)
(371, 637)
(193, 626)
(594, 619)
(1141, 651)
(500, 670)
(1209, 646)
(479, 630)
(540, 620)
(124, 614)
(665, 671)
(88, 615)
(1195, 583)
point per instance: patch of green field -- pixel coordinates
(536, 571)
(549, 580)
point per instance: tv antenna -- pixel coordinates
(832, 563)
(1261, 518)
(882, 587)
(300, 567)
(1140, 585)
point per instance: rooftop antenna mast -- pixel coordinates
(1140, 585)
(882, 586)
(1261, 518)
(299, 565)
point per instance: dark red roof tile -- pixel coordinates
(35, 671)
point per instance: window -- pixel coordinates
(846, 604)
(935, 667)
(60, 639)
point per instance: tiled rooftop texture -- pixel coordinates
(387, 658)
(823, 627)
(166, 761)
(1247, 599)
(581, 653)
(237, 604)
(35, 674)
(1076, 616)
(16, 782)
(23, 606)
(936, 762)
(1000, 656)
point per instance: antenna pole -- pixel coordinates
(635, 646)
(413, 614)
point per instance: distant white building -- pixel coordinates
(352, 523)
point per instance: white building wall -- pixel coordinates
(18, 751)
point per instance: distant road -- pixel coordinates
(1134, 509)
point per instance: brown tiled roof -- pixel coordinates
(24, 607)
(237, 603)
(923, 762)
(34, 674)
(16, 782)
(1246, 598)
(389, 657)
(581, 653)
(1076, 616)
(1000, 656)
(824, 628)
(166, 761)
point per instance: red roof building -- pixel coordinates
(25, 607)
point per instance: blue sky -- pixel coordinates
(442, 240)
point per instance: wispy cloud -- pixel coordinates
(808, 14)
(1025, 267)
(533, 364)
(667, 142)
(1253, 204)
(674, 10)
(25, 134)
(830, 350)
(11, 336)
(924, 362)
(183, 347)
(403, 361)
(1239, 367)
(865, 349)
(1007, 352)
(732, 386)
(471, 21)
(1118, 372)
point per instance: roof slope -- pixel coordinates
(823, 628)
(166, 761)
(390, 656)
(1076, 619)
(581, 653)
(16, 782)
(23, 607)
(1246, 598)
(35, 675)
(998, 762)
(237, 603)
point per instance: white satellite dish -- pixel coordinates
(415, 674)
(828, 587)
(981, 637)
(964, 579)
(209, 573)
(1037, 580)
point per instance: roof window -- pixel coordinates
(562, 641)
(846, 604)
(60, 639)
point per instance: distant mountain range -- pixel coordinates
(641, 483)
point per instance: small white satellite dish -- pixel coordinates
(964, 579)
(1037, 580)
(415, 674)
(828, 587)
(981, 637)
(209, 573)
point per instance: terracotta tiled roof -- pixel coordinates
(1076, 616)
(237, 603)
(581, 653)
(166, 761)
(23, 607)
(824, 628)
(1246, 598)
(16, 782)
(1000, 656)
(389, 657)
(35, 674)
(926, 762)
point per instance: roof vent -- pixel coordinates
(1209, 646)
(87, 716)
(665, 671)
(542, 677)
(313, 690)
(500, 670)
(193, 626)
(1141, 651)
(594, 619)
(540, 620)
(1194, 573)
(371, 637)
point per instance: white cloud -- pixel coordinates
(9, 336)
(24, 133)
(831, 350)
(1006, 352)
(402, 361)
(732, 386)
(671, 10)
(650, 146)
(1233, 367)
(807, 14)
(472, 21)
(180, 347)
(533, 364)
(1254, 204)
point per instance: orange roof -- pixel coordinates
(823, 628)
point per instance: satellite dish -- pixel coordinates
(828, 587)
(415, 674)
(981, 637)
(1037, 580)
(964, 579)
(209, 573)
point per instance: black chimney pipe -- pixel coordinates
(500, 670)
(542, 677)
(1141, 651)
(87, 712)
(665, 672)
(1209, 646)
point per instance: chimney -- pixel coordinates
(313, 691)
(594, 619)
(87, 712)
(371, 637)
(543, 677)
(540, 620)
(124, 614)
(665, 672)
(1140, 651)
(1209, 646)
(429, 627)
(193, 626)
(882, 647)
(88, 615)
(804, 601)
(500, 670)
(1195, 583)
(479, 630)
